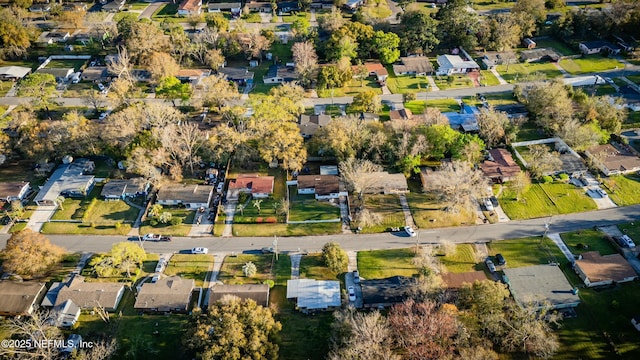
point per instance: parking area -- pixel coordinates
(349, 281)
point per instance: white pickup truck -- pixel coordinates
(154, 237)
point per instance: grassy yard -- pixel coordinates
(138, 5)
(528, 71)
(306, 207)
(487, 78)
(602, 90)
(231, 272)
(5, 86)
(251, 215)
(592, 239)
(491, 5)
(546, 200)
(557, 45)
(444, 105)
(312, 267)
(291, 18)
(79, 90)
(380, 264)
(287, 229)
(623, 189)
(530, 131)
(166, 11)
(83, 229)
(405, 84)
(183, 229)
(190, 266)
(389, 207)
(590, 64)
(631, 229)
(416, 106)
(75, 64)
(527, 251)
(463, 260)
(428, 212)
(453, 82)
(632, 121)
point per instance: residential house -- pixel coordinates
(309, 124)
(465, 120)
(235, 8)
(190, 7)
(314, 295)
(500, 166)
(402, 114)
(382, 182)
(597, 270)
(383, 293)
(95, 74)
(279, 74)
(114, 6)
(613, 160)
(192, 76)
(454, 64)
(528, 43)
(353, 5)
(14, 73)
(539, 55)
(454, 281)
(626, 43)
(13, 190)
(69, 180)
(491, 59)
(543, 286)
(61, 74)
(51, 37)
(65, 315)
(324, 187)
(257, 186)
(121, 189)
(191, 196)
(88, 295)
(40, 8)
(256, 292)
(413, 65)
(20, 298)
(255, 6)
(328, 170)
(171, 294)
(374, 68)
(369, 117)
(597, 47)
(240, 76)
(287, 7)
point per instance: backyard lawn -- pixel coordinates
(190, 266)
(428, 212)
(306, 207)
(591, 240)
(389, 207)
(380, 264)
(527, 251)
(463, 260)
(270, 230)
(231, 272)
(528, 71)
(623, 189)
(558, 46)
(546, 200)
(312, 267)
(590, 64)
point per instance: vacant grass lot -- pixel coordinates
(546, 200)
(429, 213)
(453, 82)
(590, 64)
(287, 229)
(190, 266)
(389, 207)
(527, 251)
(444, 105)
(463, 260)
(183, 229)
(306, 207)
(528, 71)
(231, 272)
(312, 267)
(593, 239)
(624, 189)
(380, 264)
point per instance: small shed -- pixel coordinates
(528, 43)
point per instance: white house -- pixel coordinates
(454, 64)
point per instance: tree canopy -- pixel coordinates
(30, 254)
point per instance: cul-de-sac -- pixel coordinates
(319, 179)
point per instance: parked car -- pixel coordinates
(501, 260)
(608, 80)
(626, 241)
(356, 276)
(409, 230)
(488, 205)
(490, 265)
(220, 187)
(352, 293)
(101, 87)
(601, 192)
(200, 250)
(267, 250)
(155, 278)
(103, 115)
(494, 201)
(161, 265)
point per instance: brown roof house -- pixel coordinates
(171, 294)
(20, 298)
(258, 186)
(322, 186)
(500, 166)
(13, 190)
(597, 270)
(256, 292)
(191, 196)
(88, 295)
(190, 7)
(613, 161)
(382, 182)
(120, 189)
(402, 114)
(413, 65)
(309, 124)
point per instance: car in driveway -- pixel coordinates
(409, 230)
(494, 201)
(601, 192)
(500, 260)
(352, 293)
(200, 250)
(626, 241)
(490, 265)
(356, 276)
(488, 205)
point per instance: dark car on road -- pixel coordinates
(500, 260)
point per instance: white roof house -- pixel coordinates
(314, 294)
(454, 64)
(13, 72)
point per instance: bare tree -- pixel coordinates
(356, 173)
(520, 184)
(94, 99)
(160, 65)
(458, 184)
(37, 327)
(448, 247)
(217, 91)
(102, 350)
(492, 126)
(542, 160)
(306, 60)
(358, 335)
(121, 66)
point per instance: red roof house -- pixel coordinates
(500, 166)
(258, 186)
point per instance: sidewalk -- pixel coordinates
(295, 265)
(408, 218)
(565, 250)
(432, 84)
(498, 76)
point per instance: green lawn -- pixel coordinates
(546, 200)
(251, 215)
(5, 86)
(389, 207)
(231, 272)
(528, 71)
(453, 82)
(270, 230)
(282, 269)
(83, 229)
(183, 229)
(252, 18)
(633, 77)
(380, 264)
(463, 260)
(632, 121)
(190, 266)
(291, 18)
(491, 4)
(444, 105)
(557, 45)
(416, 106)
(527, 251)
(530, 131)
(623, 189)
(590, 64)
(138, 5)
(487, 78)
(312, 267)
(356, 86)
(631, 229)
(166, 11)
(405, 84)
(428, 212)
(76, 64)
(306, 207)
(602, 90)
(592, 239)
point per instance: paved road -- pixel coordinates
(465, 234)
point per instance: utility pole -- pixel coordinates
(275, 246)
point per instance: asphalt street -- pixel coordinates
(465, 234)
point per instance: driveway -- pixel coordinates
(202, 224)
(148, 12)
(40, 216)
(230, 211)
(602, 202)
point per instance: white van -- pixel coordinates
(75, 78)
